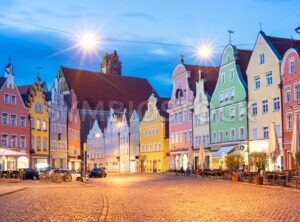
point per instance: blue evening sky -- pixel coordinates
(189, 22)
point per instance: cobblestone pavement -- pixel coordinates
(149, 198)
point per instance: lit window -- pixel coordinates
(38, 124)
(44, 125)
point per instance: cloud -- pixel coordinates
(162, 78)
(160, 52)
(139, 15)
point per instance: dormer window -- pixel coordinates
(228, 58)
(292, 66)
(261, 58)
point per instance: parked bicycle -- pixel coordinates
(50, 176)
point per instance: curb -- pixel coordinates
(11, 192)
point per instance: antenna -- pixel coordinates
(260, 26)
(230, 32)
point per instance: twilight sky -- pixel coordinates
(189, 22)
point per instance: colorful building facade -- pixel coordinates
(228, 106)
(264, 90)
(154, 147)
(58, 127)
(123, 130)
(290, 93)
(95, 147)
(15, 126)
(35, 100)
(134, 141)
(201, 133)
(74, 151)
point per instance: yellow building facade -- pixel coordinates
(39, 123)
(154, 141)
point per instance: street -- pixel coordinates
(139, 197)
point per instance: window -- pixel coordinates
(185, 137)
(53, 145)
(221, 136)
(266, 132)
(44, 125)
(292, 65)
(254, 133)
(232, 113)
(14, 141)
(214, 137)
(180, 117)
(232, 92)
(23, 142)
(158, 147)
(226, 95)
(231, 74)
(289, 121)
(276, 104)
(242, 133)
(23, 121)
(221, 115)
(38, 143)
(265, 106)
(261, 58)
(297, 91)
(190, 136)
(232, 134)
(4, 140)
(190, 115)
(185, 115)
(4, 118)
(32, 123)
(38, 124)
(38, 108)
(288, 95)
(269, 78)
(6, 98)
(13, 100)
(223, 77)
(59, 128)
(13, 120)
(257, 82)
(241, 111)
(254, 109)
(214, 117)
(221, 97)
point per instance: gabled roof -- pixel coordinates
(243, 60)
(162, 105)
(95, 90)
(280, 45)
(2, 81)
(24, 92)
(210, 73)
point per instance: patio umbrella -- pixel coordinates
(296, 136)
(273, 144)
(201, 157)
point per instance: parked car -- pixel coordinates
(46, 169)
(29, 174)
(98, 172)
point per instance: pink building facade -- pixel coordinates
(14, 125)
(290, 72)
(180, 109)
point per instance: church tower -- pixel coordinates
(111, 64)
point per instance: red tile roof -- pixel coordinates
(284, 44)
(100, 91)
(210, 73)
(24, 89)
(243, 60)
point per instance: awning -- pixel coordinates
(225, 149)
(6, 152)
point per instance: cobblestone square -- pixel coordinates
(147, 198)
